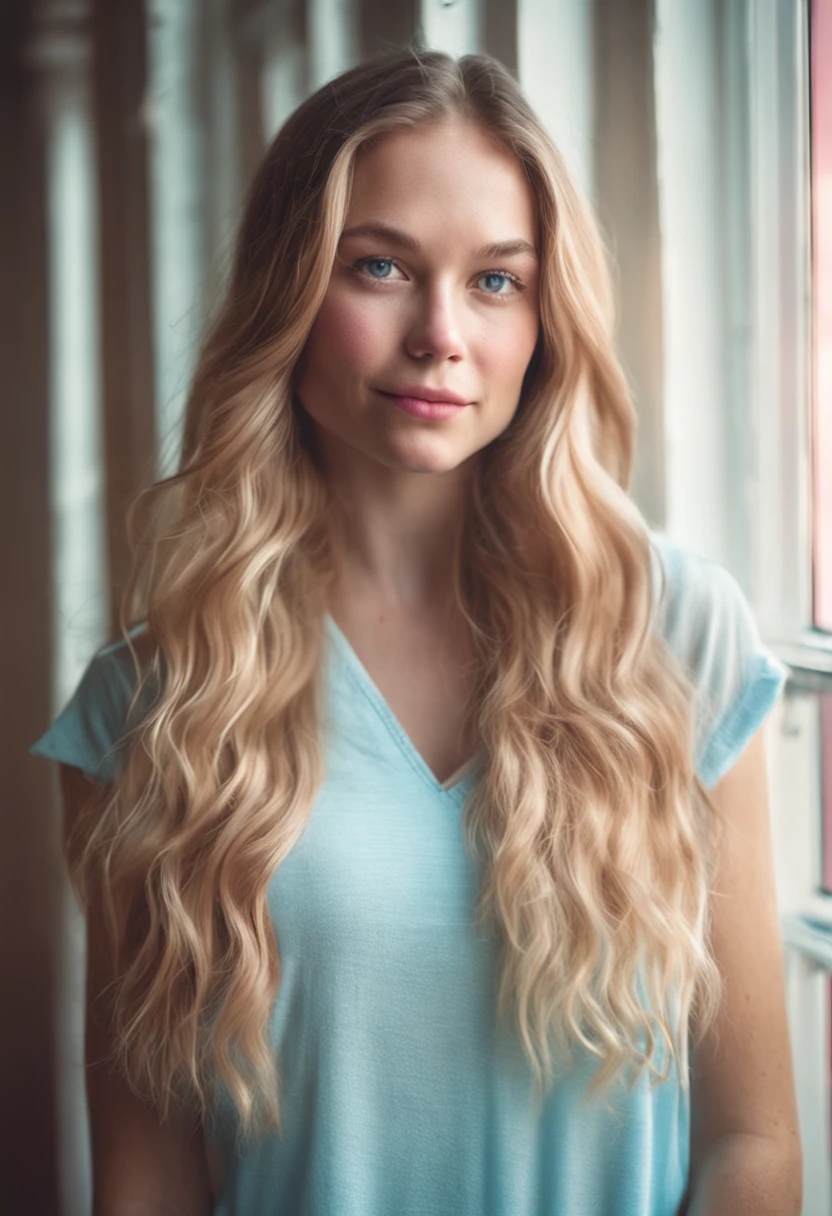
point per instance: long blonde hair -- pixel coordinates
(595, 837)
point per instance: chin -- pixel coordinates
(429, 457)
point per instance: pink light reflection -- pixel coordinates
(821, 30)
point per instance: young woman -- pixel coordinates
(420, 814)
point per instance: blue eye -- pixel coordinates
(385, 263)
(490, 277)
(496, 282)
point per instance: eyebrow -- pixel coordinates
(498, 249)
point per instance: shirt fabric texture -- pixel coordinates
(402, 1094)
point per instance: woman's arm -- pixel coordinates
(746, 1155)
(140, 1167)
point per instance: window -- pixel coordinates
(821, 151)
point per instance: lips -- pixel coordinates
(422, 393)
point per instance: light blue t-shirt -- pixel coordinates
(402, 1095)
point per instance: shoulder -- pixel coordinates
(700, 608)
(119, 652)
(688, 588)
(705, 619)
(89, 732)
(113, 665)
(110, 677)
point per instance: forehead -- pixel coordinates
(450, 171)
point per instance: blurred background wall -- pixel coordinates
(130, 129)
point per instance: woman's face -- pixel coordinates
(421, 296)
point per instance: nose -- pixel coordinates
(435, 329)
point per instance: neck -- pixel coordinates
(398, 540)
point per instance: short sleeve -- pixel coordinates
(708, 624)
(89, 733)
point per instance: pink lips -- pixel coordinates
(423, 402)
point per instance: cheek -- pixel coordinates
(345, 336)
(506, 354)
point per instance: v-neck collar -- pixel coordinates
(371, 691)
